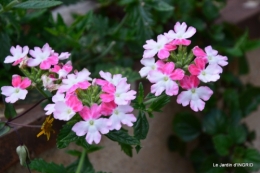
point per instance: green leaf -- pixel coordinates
(186, 126)
(10, 111)
(249, 99)
(222, 144)
(140, 96)
(243, 65)
(141, 126)
(127, 149)
(252, 156)
(3, 129)
(159, 103)
(138, 148)
(37, 4)
(251, 45)
(163, 6)
(214, 122)
(237, 134)
(66, 135)
(45, 167)
(87, 167)
(123, 137)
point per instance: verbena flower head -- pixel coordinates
(175, 61)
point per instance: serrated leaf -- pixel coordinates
(141, 126)
(45, 167)
(186, 126)
(37, 4)
(163, 6)
(123, 137)
(159, 103)
(127, 149)
(66, 135)
(138, 148)
(249, 99)
(252, 156)
(214, 122)
(222, 144)
(237, 134)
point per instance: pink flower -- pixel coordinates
(211, 55)
(92, 125)
(64, 55)
(164, 79)
(75, 81)
(194, 94)
(120, 94)
(208, 74)
(50, 108)
(115, 79)
(106, 108)
(62, 70)
(152, 48)
(179, 35)
(45, 57)
(65, 110)
(120, 115)
(18, 53)
(18, 90)
(149, 65)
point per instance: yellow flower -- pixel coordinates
(46, 128)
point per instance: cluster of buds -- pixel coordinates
(176, 67)
(103, 104)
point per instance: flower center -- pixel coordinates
(165, 78)
(117, 95)
(17, 90)
(153, 67)
(69, 111)
(193, 90)
(91, 122)
(116, 112)
(210, 57)
(203, 73)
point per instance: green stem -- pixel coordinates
(81, 161)
(42, 92)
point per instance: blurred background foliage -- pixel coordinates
(111, 38)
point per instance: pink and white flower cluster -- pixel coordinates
(164, 76)
(114, 94)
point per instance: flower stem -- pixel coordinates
(16, 124)
(81, 161)
(9, 120)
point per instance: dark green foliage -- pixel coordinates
(123, 137)
(141, 126)
(45, 167)
(186, 126)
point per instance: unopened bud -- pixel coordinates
(23, 154)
